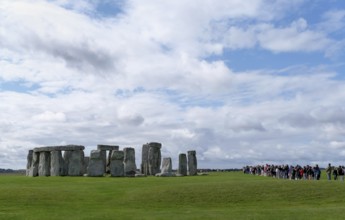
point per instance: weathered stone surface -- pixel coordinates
(182, 165)
(144, 167)
(74, 161)
(29, 162)
(116, 163)
(85, 165)
(34, 164)
(166, 168)
(61, 148)
(192, 163)
(104, 159)
(44, 164)
(96, 165)
(107, 147)
(57, 163)
(154, 158)
(129, 161)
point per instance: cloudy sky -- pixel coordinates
(240, 82)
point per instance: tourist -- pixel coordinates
(341, 173)
(329, 171)
(317, 172)
(335, 173)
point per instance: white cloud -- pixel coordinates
(294, 38)
(50, 117)
(148, 75)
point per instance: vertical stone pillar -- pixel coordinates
(34, 165)
(130, 167)
(154, 158)
(96, 165)
(116, 163)
(192, 163)
(85, 165)
(182, 165)
(74, 160)
(56, 163)
(166, 167)
(29, 162)
(44, 164)
(106, 159)
(144, 167)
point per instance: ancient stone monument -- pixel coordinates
(29, 162)
(105, 158)
(130, 167)
(182, 165)
(33, 171)
(47, 161)
(44, 164)
(116, 163)
(151, 158)
(144, 167)
(166, 167)
(57, 164)
(74, 162)
(69, 160)
(96, 164)
(192, 163)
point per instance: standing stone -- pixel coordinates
(96, 165)
(106, 159)
(44, 164)
(144, 167)
(29, 162)
(56, 163)
(182, 165)
(85, 165)
(116, 163)
(166, 167)
(130, 167)
(74, 160)
(34, 165)
(154, 158)
(192, 163)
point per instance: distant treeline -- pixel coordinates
(218, 170)
(11, 171)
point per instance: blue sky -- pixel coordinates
(240, 82)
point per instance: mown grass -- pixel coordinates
(217, 196)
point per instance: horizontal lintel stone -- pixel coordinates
(61, 148)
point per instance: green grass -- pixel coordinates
(217, 196)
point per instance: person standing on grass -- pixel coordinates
(317, 172)
(335, 173)
(341, 173)
(329, 171)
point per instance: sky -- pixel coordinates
(240, 82)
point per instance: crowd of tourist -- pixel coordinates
(296, 172)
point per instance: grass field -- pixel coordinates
(230, 195)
